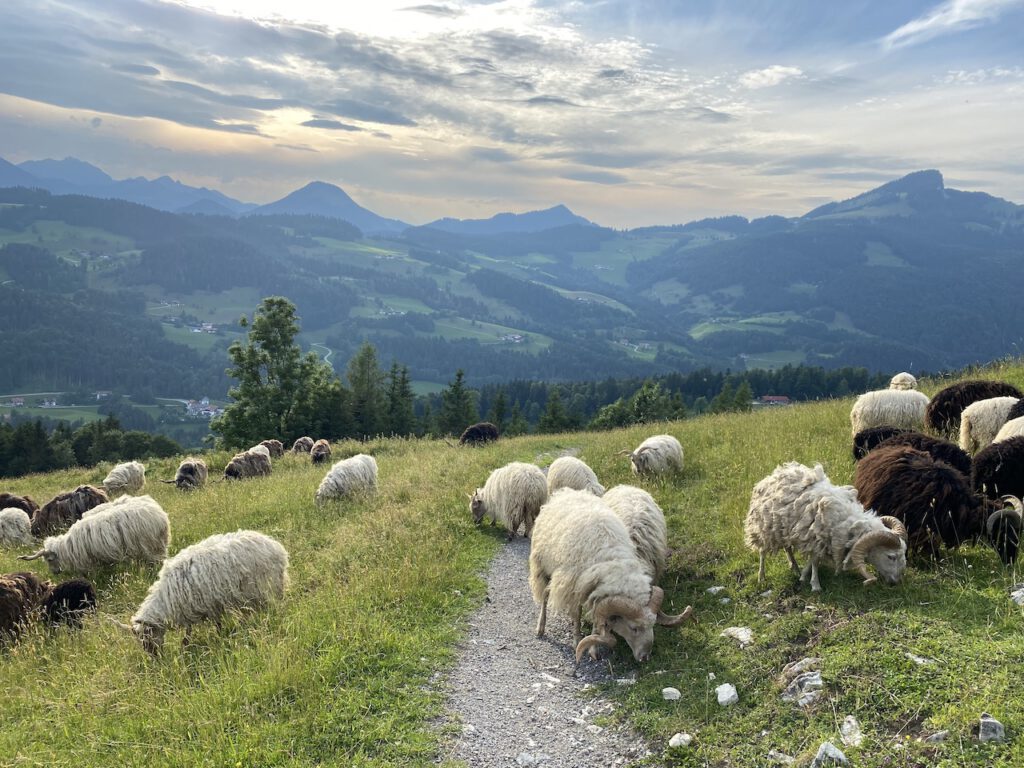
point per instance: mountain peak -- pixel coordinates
(70, 169)
(319, 198)
(531, 221)
(915, 191)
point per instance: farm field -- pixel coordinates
(345, 670)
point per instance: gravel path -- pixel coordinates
(519, 698)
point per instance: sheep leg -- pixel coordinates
(542, 620)
(760, 567)
(577, 626)
(815, 584)
(807, 570)
(792, 559)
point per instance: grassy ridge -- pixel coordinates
(342, 672)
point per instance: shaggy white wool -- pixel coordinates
(981, 421)
(15, 528)
(889, 407)
(657, 455)
(129, 477)
(645, 522)
(357, 474)
(514, 494)
(570, 472)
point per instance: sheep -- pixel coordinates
(302, 445)
(512, 496)
(320, 453)
(797, 508)
(261, 449)
(225, 572)
(868, 439)
(128, 528)
(1012, 428)
(479, 434)
(645, 522)
(933, 500)
(570, 472)
(999, 469)
(657, 455)
(276, 448)
(1015, 413)
(248, 464)
(129, 477)
(903, 380)
(68, 602)
(936, 447)
(64, 509)
(15, 527)
(944, 409)
(25, 503)
(191, 475)
(357, 474)
(981, 420)
(582, 561)
(903, 408)
(20, 595)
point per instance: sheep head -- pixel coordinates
(476, 505)
(1004, 529)
(886, 550)
(149, 635)
(633, 622)
(51, 558)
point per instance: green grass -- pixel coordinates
(62, 413)
(201, 342)
(343, 671)
(223, 308)
(62, 238)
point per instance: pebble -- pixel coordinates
(795, 668)
(680, 740)
(780, 758)
(714, 590)
(727, 694)
(921, 661)
(937, 738)
(766, 593)
(529, 760)
(829, 754)
(850, 732)
(670, 694)
(990, 729)
(743, 635)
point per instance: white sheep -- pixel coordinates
(799, 509)
(15, 527)
(357, 474)
(645, 521)
(981, 420)
(570, 472)
(1012, 428)
(261, 448)
(657, 455)
(903, 380)
(128, 528)
(129, 477)
(225, 572)
(889, 407)
(582, 561)
(512, 496)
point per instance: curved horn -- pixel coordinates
(626, 452)
(895, 525)
(665, 619)
(657, 596)
(119, 624)
(855, 560)
(36, 556)
(590, 642)
(1015, 512)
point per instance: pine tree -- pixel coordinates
(554, 419)
(744, 396)
(400, 417)
(724, 400)
(366, 380)
(498, 411)
(517, 424)
(458, 408)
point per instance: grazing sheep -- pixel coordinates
(645, 521)
(320, 453)
(981, 421)
(25, 503)
(276, 448)
(479, 433)
(20, 595)
(68, 602)
(999, 469)
(657, 455)
(1012, 428)
(128, 528)
(191, 475)
(15, 527)
(302, 445)
(64, 509)
(225, 572)
(129, 477)
(936, 447)
(933, 500)
(512, 496)
(570, 472)
(260, 449)
(798, 509)
(248, 464)
(944, 409)
(1015, 413)
(903, 380)
(903, 408)
(357, 474)
(868, 439)
(582, 561)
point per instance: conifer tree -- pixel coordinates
(458, 409)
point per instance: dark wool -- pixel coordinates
(478, 434)
(276, 448)
(68, 602)
(937, 448)
(191, 475)
(943, 412)
(999, 469)
(66, 509)
(302, 445)
(932, 499)
(20, 594)
(1016, 410)
(868, 439)
(24, 503)
(320, 452)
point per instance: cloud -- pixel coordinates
(492, 154)
(136, 69)
(435, 10)
(769, 76)
(951, 16)
(96, 122)
(296, 147)
(370, 113)
(333, 125)
(596, 177)
(554, 101)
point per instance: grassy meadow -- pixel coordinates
(348, 670)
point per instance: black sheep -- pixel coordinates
(68, 602)
(479, 434)
(20, 595)
(999, 469)
(868, 439)
(934, 501)
(1016, 410)
(943, 412)
(25, 503)
(937, 448)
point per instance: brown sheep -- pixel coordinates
(66, 509)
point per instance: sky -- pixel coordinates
(631, 113)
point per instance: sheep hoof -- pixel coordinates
(872, 580)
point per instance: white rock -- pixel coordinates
(829, 754)
(767, 593)
(469, 729)
(711, 675)
(990, 729)
(795, 668)
(1017, 594)
(680, 740)
(625, 681)
(743, 635)
(805, 689)
(725, 600)
(714, 590)
(670, 694)
(594, 729)
(937, 738)
(550, 678)
(921, 661)
(850, 732)
(780, 758)
(727, 694)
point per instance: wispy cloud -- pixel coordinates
(769, 76)
(332, 125)
(950, 16)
